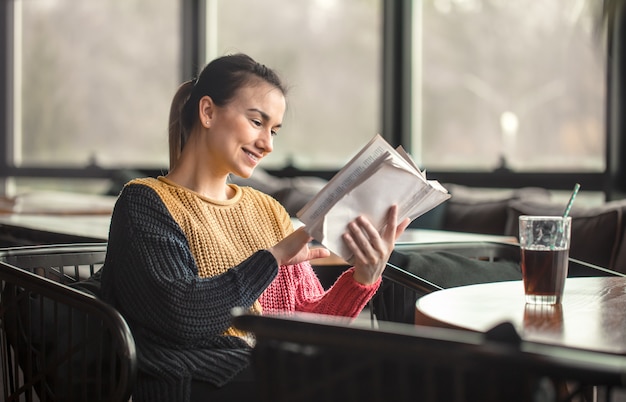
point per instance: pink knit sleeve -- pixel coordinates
(297, 289)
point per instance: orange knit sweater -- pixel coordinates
(221, 234)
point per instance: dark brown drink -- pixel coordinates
(544, 272)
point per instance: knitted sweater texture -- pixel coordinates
(177, 263)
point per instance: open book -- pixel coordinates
(377, 177)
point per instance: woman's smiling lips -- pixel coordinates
(254, 157)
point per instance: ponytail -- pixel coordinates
(179, 128)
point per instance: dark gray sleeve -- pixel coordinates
(150, 274)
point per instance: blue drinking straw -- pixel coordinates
(571, 200)
(567, 208)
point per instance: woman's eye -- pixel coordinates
(274, 133)
(256, 122)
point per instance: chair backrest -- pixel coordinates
(315, 358)
(58, 341)
(395, 300)
(65, 263)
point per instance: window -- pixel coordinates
(514, 84)
(329, 54)
(93, 81)
(492, 81)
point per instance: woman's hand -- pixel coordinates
(294, 249)
(370, 249)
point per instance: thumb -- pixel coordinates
(318, 252)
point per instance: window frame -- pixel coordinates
(396, 112)
(610, 182)
(192, 55)
(395, 109)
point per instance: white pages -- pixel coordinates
(376, 178)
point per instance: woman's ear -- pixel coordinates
(206, 108)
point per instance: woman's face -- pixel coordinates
(241, 132)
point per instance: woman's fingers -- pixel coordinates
(293, 248)
(391, 228)
(353, 246)
(370, 248)
(401, 228)
(318, 252)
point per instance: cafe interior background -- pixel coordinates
(489, 94)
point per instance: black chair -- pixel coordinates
(315, 358)
(58, 341)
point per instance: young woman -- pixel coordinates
(186, 248)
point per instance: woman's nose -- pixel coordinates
(266, 141)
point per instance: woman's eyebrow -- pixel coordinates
(264, 115)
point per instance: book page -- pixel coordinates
(376, 178)
(353, 171)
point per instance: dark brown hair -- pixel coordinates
(220, 79)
